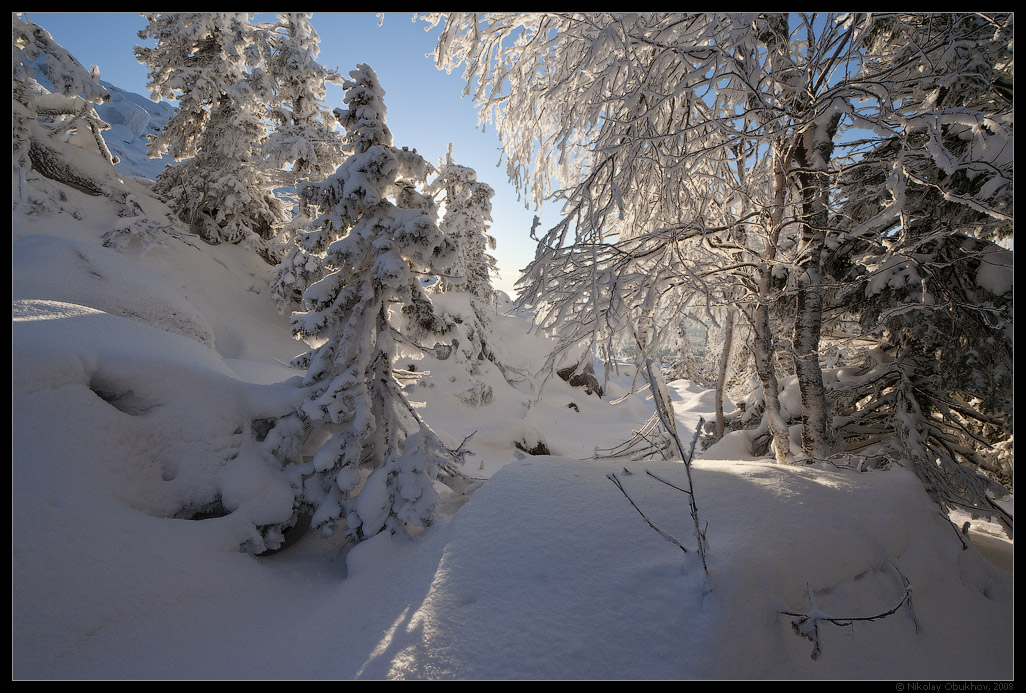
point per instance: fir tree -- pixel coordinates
(376, 471)
(305, 138)
(210, 63)
(921, 279)
(305, 143)
(468, 214)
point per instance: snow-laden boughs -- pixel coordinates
(210, 63)
(57, 141)
(305, 142)
(378, 236)
(921, 281)
(468, 214)
(710, 154)
(65, 110)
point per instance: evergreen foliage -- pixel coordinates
(378, 236)
(210, 62)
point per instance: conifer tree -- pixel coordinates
(305, 142)
(378, 234)
(210, 63)
(468, 214)
(305, 138)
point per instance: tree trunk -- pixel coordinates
(770, 386)
(813, 155)
(763, 335)
(721, 381)
(49, 163)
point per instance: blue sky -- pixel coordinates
(426, 110)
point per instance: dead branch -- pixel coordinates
(806, 625)
(665, 535)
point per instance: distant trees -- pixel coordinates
(709, 158)
(468, 214)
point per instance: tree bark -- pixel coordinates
(813, 154)
(721, 381)
(763, 335)
(49, 163)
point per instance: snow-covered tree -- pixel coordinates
(210, 63)
(619, 117)
(921, 280)
(377, 469)
(56, 136)
(305, 142)
(467, 217)
(664, 132)
(45, 120)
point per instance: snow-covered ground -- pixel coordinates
(136, 381)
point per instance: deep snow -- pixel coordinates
(136, 379)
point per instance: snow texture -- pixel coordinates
(142, 383)
(124, 428)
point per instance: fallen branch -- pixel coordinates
(807, 624)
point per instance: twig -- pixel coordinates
(686, 457)
(807, 625)
(671, 485)
(665, 535)
(461, 453)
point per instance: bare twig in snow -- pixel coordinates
(807, 624)
(665, 535)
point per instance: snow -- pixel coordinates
(137, 382)
(996, 271)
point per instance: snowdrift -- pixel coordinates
(141, 378)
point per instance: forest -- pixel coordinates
(808, 217)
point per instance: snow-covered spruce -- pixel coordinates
(377, 469)
(305, 142)
(468, 214)
(210, 63)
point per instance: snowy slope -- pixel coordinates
(131, 118)
(137, 381)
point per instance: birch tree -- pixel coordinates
(663, 132)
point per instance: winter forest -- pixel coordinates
(749, 415)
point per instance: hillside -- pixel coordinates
(178, 483)
(137, 374)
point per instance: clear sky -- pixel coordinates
(426, 110)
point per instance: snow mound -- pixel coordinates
(583, 588)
